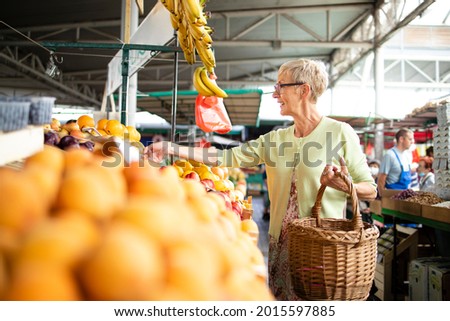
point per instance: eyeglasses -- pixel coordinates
(278, 86)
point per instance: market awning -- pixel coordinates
(242, 105)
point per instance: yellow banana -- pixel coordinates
(211, 84)
(199, 85)
(200, 21)
(193, 10)
(200, 33)
(178, 8)
(182, 30)
(190, 57)
(207, 38)
(209, 30)
(186, 44)
(206, 55)
(169, 4)
(174, 20)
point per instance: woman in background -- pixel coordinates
(426, 175)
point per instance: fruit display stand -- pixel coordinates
(21, 143)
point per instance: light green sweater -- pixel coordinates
(282, 152)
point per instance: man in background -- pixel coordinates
(395, 171)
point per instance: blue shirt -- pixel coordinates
(391, 167)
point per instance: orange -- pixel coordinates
(95, 190)
(243, 285)
(3, 275)
(101, 124)
(102, 132)
(164, 184)
(85, 121)
(249, 225)
(219, 200)
(137, 170)
(61, 241)
(204, 207)
(251, 228)
(46, 180)
(126, 266)
(193, 267)
(193, 188)
(158, 218)
(50, 157)
(21, 203)
(42, 282)
(77, 158)
(114, 127)
(133, 134)
(218, 171)
(10, 241)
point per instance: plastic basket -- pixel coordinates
(13, 115)
(332, 259)
(41, 110)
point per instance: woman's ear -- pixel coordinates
(304, 90)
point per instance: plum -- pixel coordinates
(51, 138)
(68, 142)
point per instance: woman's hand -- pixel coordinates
(329, 177)
(157, 151)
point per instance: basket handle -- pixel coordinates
(356, 220)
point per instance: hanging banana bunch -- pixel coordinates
(194, 35)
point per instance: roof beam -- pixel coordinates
(348, 60)
(293, 44)
(303, 27)
(252, 26)
(289, 10)
(44, 79)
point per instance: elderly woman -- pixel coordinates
(298, 159)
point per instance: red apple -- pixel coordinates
(208, 183)
(191, 175)
(227, 199)
(237, 208)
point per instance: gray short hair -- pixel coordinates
(313, 72)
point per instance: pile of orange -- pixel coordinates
(77, 226)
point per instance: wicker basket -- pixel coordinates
(332, 259)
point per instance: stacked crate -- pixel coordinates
(441, 143)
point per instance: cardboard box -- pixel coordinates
(418, 276)
(410, 208)
(436, 213)
(390, 192)
(407, 246)
(375, 207)
(389, 203)
(439, 282)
